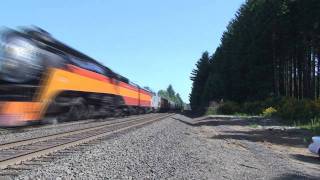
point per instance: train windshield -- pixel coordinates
(87, 65)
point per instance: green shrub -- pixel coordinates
(292, 111)
(269, 112)
(297, 110)
(212, 110)
(257, 107)
(273, 102)
(313, 126)
(316, 107)
(228, 108)
(252, 108)
(288, 109)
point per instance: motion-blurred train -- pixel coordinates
(43, 78)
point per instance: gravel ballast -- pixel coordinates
(168, 149)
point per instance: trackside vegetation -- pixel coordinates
(268, 63)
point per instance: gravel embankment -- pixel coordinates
(154, 151)
(169, 149)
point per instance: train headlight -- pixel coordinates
(19, 60)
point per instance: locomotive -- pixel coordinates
(43, 78)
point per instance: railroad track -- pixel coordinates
(13, 153)
(37, 132)
(4, 131)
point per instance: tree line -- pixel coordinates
(270, 49)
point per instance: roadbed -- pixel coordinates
(212, 148)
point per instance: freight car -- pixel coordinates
(166, 105)
(41, 77)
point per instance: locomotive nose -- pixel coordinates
(11, 121)
(18, 113)
(20, 59)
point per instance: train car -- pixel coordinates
(41, 78)
(186, 107)
(164, 105)
(172, 105)
(175, 106)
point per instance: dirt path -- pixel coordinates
(259, 148)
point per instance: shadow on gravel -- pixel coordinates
(219, 122)
(236, 122)
(308, 159)
(295, 177)
(279, 135)
(290, 137)
(191, 114)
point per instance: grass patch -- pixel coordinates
(211, 111)
(241, 114)
(307, 139)
(254, 126)
(313, 125)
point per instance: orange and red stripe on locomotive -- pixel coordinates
(41, 78)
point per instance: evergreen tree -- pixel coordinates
(270, 49)
(170, 91)
(179, 100)
(199, 77)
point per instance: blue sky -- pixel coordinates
(153, 43)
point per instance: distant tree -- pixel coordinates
(179, 100)
(163, 93)
(170, 91)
